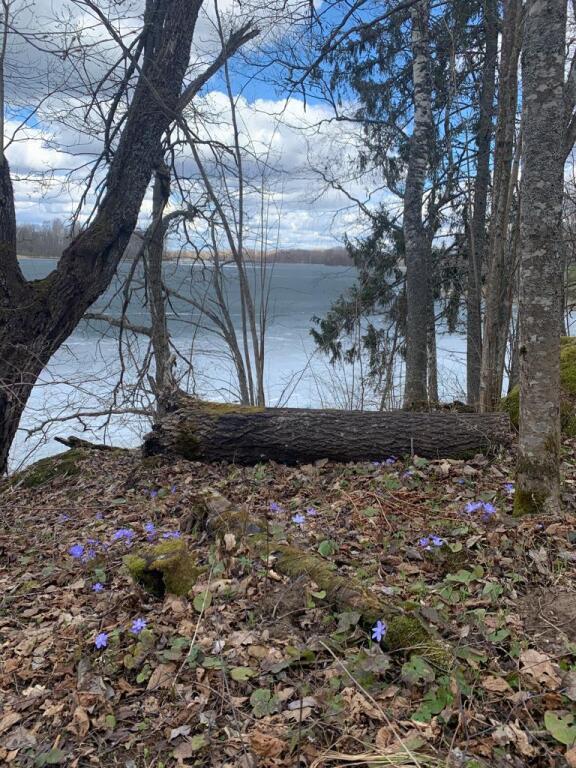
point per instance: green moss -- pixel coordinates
(511, 403)
(407, 631)
(526, 503)
(221, 409)
(164, 567)
(43, 471)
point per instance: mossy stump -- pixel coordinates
(45, 470)
(164, 567)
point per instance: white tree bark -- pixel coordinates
(538, 486)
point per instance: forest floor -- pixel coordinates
(265, 672)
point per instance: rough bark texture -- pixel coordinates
(248, 435)
(37, 317)
(417, 252)
(481, 185)
(538, 484)
(500, 271)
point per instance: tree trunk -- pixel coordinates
(499, 271)
(154, 252)
(538, 486)
(248, 435)
(417, 255)
(478, 224)
(37, 317)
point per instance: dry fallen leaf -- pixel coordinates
(539, 667)
(10, 719)
(81, 722)
(266, 745)
(161, 677)
(571, 757)
(495, 684)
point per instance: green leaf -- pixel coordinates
(562, 727)
(110, 721)
(263, 702)
(202, 601)
(198, 742)
(212, 662)
(417, 671)
(53, 757)
(241, 674)
(327, 547)
(347, 620)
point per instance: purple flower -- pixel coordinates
(98, 587)
(437, 541)
(376, 463)
(99, 516)
(379, 631)
(408, 473)
(101, 640)
(298, 519)
(472, 506)
(509, 487)
(391, 460)
(150, 528)
(123, 533)
(173, 489)
(311, 511)
(137, 626)
(153, 493)
(90, 555)
(76, 551)
(63, 518)
(424, 542)
(275, 507)
(460, 480)
(171, 535)
(488, 511)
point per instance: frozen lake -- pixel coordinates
(81, 375)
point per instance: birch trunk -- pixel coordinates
(538, 476)
(499, 271)
(481, 186)
(417, 255)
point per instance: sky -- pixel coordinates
(292, 147)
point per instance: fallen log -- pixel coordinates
(247, 435)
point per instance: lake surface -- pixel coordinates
(82, 375)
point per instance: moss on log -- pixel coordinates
(210, 432)
(164, 567)
(511, 403)
(406, 630)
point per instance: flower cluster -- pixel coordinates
(428, 542)
(124, 534)
(486, 510)
(171, 535)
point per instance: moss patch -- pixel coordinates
(511, 403)
(164, 567)
(44, 471)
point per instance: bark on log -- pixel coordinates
(247, 435)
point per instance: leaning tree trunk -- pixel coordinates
(538, 486)
(248, 435)
(37, 317)
(478, 224)
(499, 270)
(416, 243)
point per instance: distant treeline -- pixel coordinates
(48, 240)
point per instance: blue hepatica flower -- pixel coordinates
(485, 508)
(379, 631)
(391, 460)
(137, 626)
(275, 507)
(509, 488)
(126, 534)
(98, 587)
(90, 554)
(101, 640)
(76, 551)
(311, 511)
(171, 535)
(298, 519)
(150, 529)
(376, 463)
(173, 489)
(427, 542)
(408, 473)
(153, 493)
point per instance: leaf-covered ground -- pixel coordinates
(253, 669)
